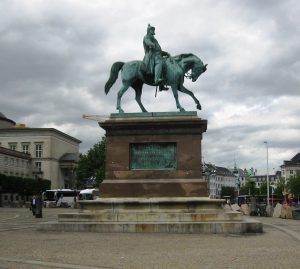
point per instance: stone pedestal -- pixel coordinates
(154, 155)
(154, 181)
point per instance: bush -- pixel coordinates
(28, 186)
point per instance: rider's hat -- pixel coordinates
(150, 28)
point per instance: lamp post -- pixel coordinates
(268, 191)
(269, 208)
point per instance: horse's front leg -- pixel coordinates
(175, 93)
(185, 90)
(120, 94)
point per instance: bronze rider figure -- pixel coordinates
(153, 58)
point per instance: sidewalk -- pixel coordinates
(27, 248)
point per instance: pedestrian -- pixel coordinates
(33, 205)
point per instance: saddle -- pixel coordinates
(149, 77)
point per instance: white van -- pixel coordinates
(89, 194)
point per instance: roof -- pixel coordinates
(296, 158)
(53, 130)
(69, 157)
(3, 118)
(15, 153)
(210, 168)
(294, 161)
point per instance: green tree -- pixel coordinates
(294, 185)
(280, 187)
(92, 164)
(227, 191)
(22, 186)
(249, 188)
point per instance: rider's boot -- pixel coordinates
(162, 87)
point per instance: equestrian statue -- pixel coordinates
(159, 69)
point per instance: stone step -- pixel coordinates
(215, 227)
(152, 217)
(157, 204)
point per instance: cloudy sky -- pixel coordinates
(55, 57)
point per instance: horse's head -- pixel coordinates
(197, 70)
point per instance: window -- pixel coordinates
(12, 161)
(17, 162)
(291, 172)
(38, 150)
(6, 160)
(38, 165)
(25, 148)
(13, 146)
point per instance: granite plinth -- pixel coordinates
(154, 215)
(184, 179)
(163, 192)
(153, 188)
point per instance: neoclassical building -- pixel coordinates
(51, 151)
(15, 163)
(291, 167)
(5, 122)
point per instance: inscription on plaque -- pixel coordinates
(153, 156)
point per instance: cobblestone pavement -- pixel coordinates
(22, 247)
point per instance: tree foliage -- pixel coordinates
(23, 186)
(294, 184)
(227, 191)
(280, 187)
(92, 164)
(249, 188)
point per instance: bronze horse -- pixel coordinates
(175, 69)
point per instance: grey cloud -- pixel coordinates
(55, 59)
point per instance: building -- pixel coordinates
(291, 167)
(48, 150)
(52, 152)
(217, 178)
(262, 179)
(15, 163)
(240, 176)
(5, 122)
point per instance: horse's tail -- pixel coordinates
(114, 72)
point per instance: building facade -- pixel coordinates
(217, 178)
(52, 152)
(15, 163)
(262, 179)
(291, 167)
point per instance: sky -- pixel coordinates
(56, 55)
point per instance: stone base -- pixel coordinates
(153, 188)
(153, 215)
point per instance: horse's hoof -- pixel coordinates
(198, 107)
(181, 109)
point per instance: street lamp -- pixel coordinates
(268, 191)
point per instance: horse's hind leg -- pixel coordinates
(185, 90)
(120, 94)
(138, 85)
